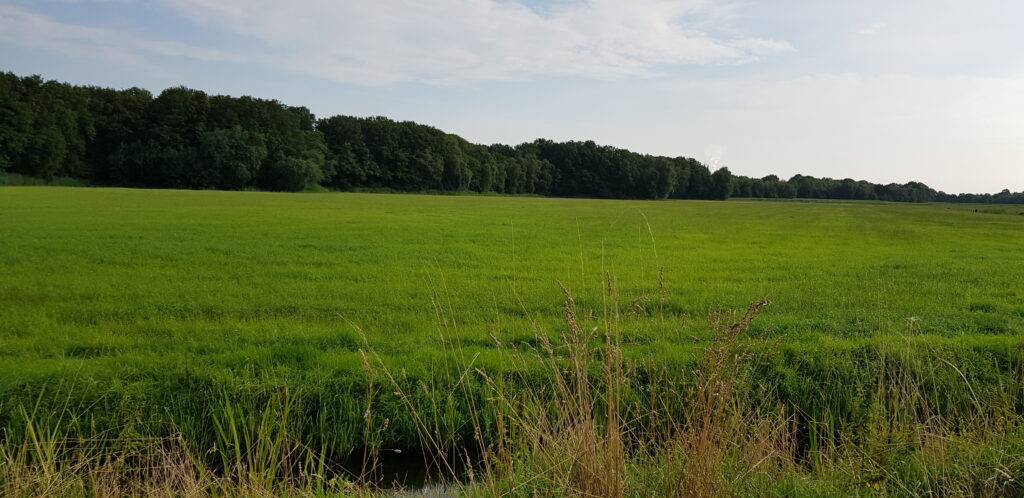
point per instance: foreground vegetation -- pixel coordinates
(713, 434)
(254, 340)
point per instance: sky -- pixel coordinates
(880, 90)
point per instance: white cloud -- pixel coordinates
(460, 41)
(713, 155)
(953, 132)
(872, 29)
(28, 28)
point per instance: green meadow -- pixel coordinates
(148, 311)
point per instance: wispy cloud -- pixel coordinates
(955, 133)
(463, 41)
(872, 29)
(29, 28)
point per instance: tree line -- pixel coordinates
(185, 138)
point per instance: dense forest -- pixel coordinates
(184, 138)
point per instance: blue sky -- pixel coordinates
(886, 91)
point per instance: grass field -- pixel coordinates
(144, 312)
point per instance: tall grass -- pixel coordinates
(576, 437)
(568, 414)
(254, 456)
(719, 429)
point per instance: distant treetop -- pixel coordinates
(184, 138)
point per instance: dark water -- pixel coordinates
(411, 472)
